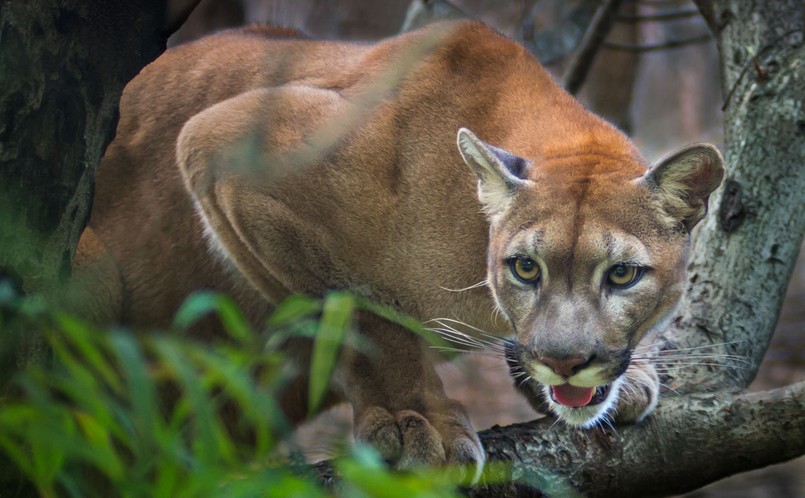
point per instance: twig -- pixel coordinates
(582, 61)
(708, 13)
(658, 2)
(659, 46)
(670, 16)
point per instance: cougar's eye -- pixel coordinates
(525, 269)
(623, 275)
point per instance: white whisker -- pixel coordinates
(446, 322)
(464, 351)
(459, 340)
(482, 283)
(496, 312)
(705, 346)
(607, 420)
(449, 332)
(552, 425)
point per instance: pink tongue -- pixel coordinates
(573, 396)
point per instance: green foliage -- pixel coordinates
(145, 415)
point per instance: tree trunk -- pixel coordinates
(747, 248)
(63, 66)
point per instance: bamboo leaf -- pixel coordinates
(202, 303)
(293, 309)
(336, 319)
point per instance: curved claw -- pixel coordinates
(410, 440)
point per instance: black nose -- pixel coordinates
(566, 367)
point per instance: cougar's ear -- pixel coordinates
(499, 172)
(683, 181)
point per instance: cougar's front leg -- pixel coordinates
(639, 393)
(400, 405)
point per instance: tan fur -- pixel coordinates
(316, 165)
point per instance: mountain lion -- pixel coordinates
(442, 172)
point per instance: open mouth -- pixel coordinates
(572, 396)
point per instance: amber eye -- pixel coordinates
(623, 275)
(525, 269)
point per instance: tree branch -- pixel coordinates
(583, 59)
(707, 10)
(658, 46)
(689, 442)
(664, 17)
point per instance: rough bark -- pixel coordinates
(63, 65)
(745, 251)
(689, 442)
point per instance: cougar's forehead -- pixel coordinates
(583, 221)
(567, 244)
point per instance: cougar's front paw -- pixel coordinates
(410, 440)
(638, 394)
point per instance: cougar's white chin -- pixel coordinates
(599, 409)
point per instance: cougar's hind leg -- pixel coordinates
(95, 289)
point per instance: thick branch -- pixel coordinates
(690, 441)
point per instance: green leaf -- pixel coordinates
(210, 439)
(293, 309)
(102, 449)
(403, 320)
(202, 303)
(148, 427)
(81, 336)
(336, 319)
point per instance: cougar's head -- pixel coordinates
(586, 257)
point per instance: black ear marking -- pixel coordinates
(491, 164)
(516, 165)
(500, 173)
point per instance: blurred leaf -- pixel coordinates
(336, 318)
(293, 309)
(100, 408)
(102, 447)
(80, 336)
(404, 320)
(203, 303)
(8, 295)
(209, 435)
